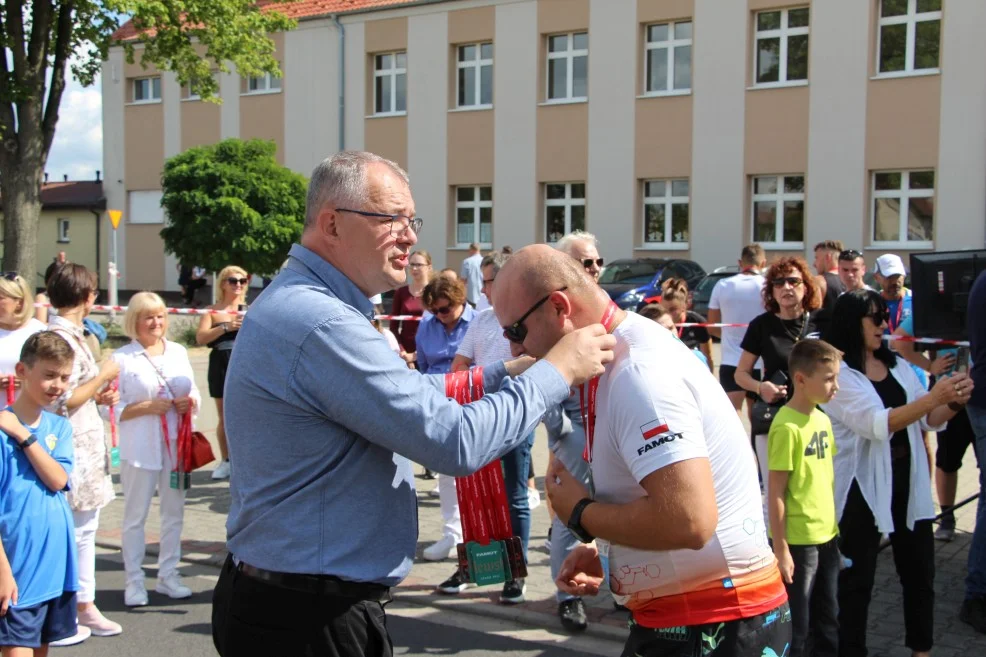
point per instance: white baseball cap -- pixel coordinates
(890, 264)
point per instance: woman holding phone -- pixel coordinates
(218, 331)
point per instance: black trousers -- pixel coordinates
(813, 597)
(914, 558)
(251, 617)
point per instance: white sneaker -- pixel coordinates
(221, 471)
(533, 498)
(434, 492)
(172, 587)
(135, 595)
(443, 548)
(80, 635)
(98, 624)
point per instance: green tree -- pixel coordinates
(232, 203)
(40, 38)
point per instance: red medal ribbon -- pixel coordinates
(113, 386)
(11, 389)
(588, 410)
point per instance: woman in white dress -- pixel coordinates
(17, 322)
(156, 387)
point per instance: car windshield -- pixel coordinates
(629, 273)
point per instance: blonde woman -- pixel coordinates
(156, 381)
(17, 322)
(218, 331)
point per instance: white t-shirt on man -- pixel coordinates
(658, 405)
(739, 299)
(483, 342)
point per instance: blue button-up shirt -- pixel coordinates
(436, 346)
(322, 419)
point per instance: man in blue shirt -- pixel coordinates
(472, 274)
(974, 606)
(324, 420)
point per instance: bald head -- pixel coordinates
(539, 269)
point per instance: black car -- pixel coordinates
(632, 283)
(703, 291)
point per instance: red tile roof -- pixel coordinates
(73, 194)
(298, 10)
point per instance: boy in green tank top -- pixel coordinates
(801, 498)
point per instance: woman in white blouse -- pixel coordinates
(17, 321)
(882, 478)
(156, 381)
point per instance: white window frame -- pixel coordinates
(391, 73)
(570, 54)
(671, 45)
(150, 82)
(475, 205)
(64, 224)
(905, 193)
(268, 83)
(780, 198)
(911, 19)
(669, 200)
(783, 33)
(568, 203)
(477, 66)
(145, 207)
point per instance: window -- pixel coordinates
(564, 209)
(145, 208)
(666, 213)
(147, 90)
(63, 226)
(779, 210)
(474, 215)
(782, 46)
(910, 36)
(390, 83)
(903, 206)
(668, 58)
(475, 75)
(568, 66)
(266, 83)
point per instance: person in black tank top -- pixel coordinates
(827, 281)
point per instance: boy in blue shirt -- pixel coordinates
(38, 576)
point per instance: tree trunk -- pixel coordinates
(20, 192)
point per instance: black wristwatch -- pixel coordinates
(27, 443)
(575, 521)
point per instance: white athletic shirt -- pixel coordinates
(738, 298)
(11, 343)
(657, 405)
(484, 343)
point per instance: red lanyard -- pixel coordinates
(114, 386)
(11, 390)
(900, 309)
(588, 410)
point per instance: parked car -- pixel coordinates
(632, 283)
(703, 291)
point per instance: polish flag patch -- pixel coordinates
(655, 428)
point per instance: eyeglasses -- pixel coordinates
(879, 317)
(588, 262)
(232, 280)
(787, 280)
(398, 222)
(850, 254)
(517, 332)
(444, 310)
(10, 275)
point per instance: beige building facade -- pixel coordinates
(682, 128)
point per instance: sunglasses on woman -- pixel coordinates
(443, 310)
(787, 280)
(588, 262)
(232, 280)
(879, 317)
(10, 275)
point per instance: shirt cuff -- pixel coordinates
(550, 381)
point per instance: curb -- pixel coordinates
(520, 614)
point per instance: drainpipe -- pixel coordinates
(342, 83)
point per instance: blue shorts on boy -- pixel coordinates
(37, 531)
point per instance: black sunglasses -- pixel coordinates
(588, 262)
(517, 332)
(10, 275)
(444, 310)
(232, 280)
(879, 317)
(787, 280)
(850, 254)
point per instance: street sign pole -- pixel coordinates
(111, 287)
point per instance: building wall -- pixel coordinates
(81, 245)
(836, 128)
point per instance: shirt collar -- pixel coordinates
(340, 285)
(78, 331)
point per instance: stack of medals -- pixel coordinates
(489, 553)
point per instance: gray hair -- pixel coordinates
(342, 179)
(566, 243)
(495, 258)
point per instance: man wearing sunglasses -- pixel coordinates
(325, 420)
(584, 247)
(673, 517)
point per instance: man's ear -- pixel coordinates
(561, 303)
(20, 369)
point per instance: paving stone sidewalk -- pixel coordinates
(207, 504)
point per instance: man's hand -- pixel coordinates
(582, 354)
(582, 573)
(942, 364)
(8, 589)
(785, 563)
(518, 366)
(563, 489)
